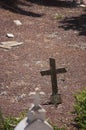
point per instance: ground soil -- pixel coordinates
(50, 29)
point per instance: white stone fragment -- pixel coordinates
(3, 93)
(83, 5)
(17, 22)
(9, 35)
(10, 44)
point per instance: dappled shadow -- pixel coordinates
(75, 23)
(16, 9)
(56, 3)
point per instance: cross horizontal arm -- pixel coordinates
(61, 70)
(47, 72)
(58, 71)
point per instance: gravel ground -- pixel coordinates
(49, 30)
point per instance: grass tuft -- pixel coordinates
(80, 110)
(58, 16)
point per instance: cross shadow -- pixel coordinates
(54, 3)
(16, 9)
(75, 23)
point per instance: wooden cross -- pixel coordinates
(53, 72)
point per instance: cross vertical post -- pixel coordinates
(53, 76)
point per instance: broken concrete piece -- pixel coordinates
(17, 22)
(9, 44)
(9, 35)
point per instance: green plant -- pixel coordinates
(57, 128)
(80, 110)
(58, 16)
(8, 123)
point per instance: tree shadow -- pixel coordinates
(75, 23)
(16, 9)
(23, 3)
(55, 3)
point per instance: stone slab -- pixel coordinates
(10, 44)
